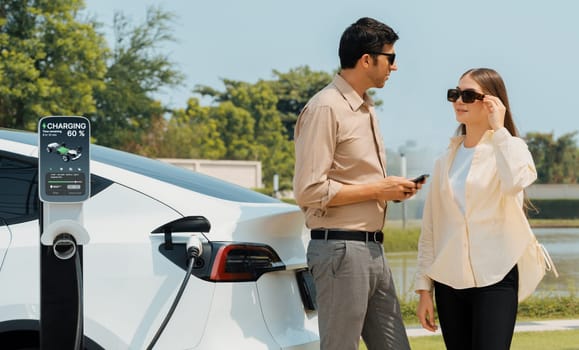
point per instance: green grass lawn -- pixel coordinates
(554, 340)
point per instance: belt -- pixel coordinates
(366, 236)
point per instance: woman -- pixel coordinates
(476, 240)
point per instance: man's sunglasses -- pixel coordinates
(391, 56)
(467, 96)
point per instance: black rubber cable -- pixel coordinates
(80, 315)
(176, 301)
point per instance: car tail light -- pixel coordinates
(240, 262)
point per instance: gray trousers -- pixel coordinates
(355, 296)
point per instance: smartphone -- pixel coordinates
(416, 180)
(421, 178)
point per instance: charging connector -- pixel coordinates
(194, 249)
(64, 246)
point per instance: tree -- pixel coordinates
(557, 161)
(193, 134)
(251, 127)
(126, 107)
(52, 61)
(236, 126)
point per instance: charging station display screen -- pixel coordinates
(64, 159)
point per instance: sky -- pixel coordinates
(534, 45)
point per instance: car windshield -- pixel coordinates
(157, 169)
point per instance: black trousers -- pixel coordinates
(478, 318)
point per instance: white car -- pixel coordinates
(244, 292)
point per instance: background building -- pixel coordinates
(241, 172)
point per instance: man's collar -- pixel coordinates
(351, 96)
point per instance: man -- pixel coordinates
(341, 185)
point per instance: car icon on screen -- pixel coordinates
(67, 154)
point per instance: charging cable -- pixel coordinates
(80, 315)
(194, 249)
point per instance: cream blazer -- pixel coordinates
(479, 247)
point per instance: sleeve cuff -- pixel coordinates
(423, 283)
(501, 134)
(333, 188)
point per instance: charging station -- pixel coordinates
(64, 184)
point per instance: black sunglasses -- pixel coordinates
(467, 96)
(391, 56)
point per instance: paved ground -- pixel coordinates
(534, 326)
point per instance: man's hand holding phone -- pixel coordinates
(419, 181)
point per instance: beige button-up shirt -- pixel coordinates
(337, 142)
(479, 247)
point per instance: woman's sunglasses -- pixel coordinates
(467, 96)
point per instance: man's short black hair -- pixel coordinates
(364, 36)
